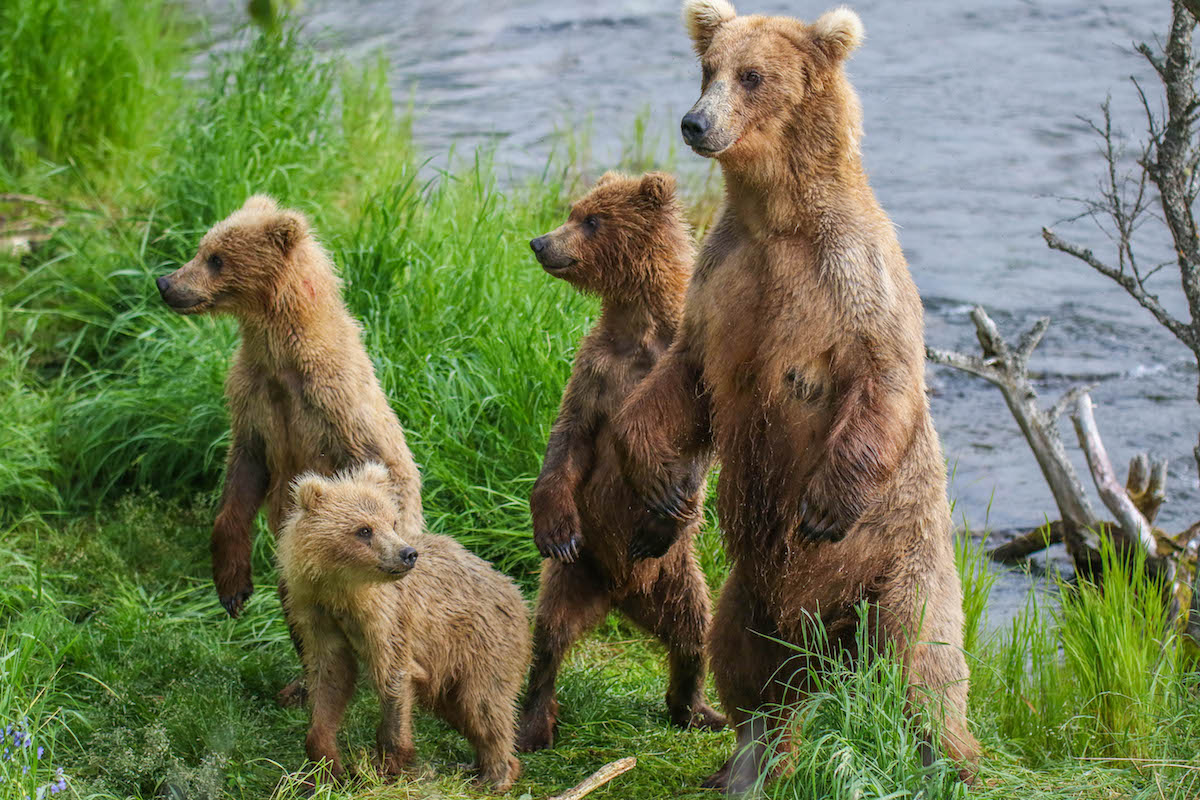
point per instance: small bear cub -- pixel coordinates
(432, 622)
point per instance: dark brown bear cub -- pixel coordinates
(434, 624)
(626, 241)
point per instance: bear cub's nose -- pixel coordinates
(538, 244)
(694, 126)
(408, 556)
(163, 284)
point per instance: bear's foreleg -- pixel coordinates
(661, 430)
(572, 600)
(331, 669)
(394, 737)
(246, 482)
(557, 530)
(875, 412)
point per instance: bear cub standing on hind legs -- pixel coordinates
(302, 391)
(433, 623)
(801, 359)
(626, 241)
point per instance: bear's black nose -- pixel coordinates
(163, 284)
(409, 556)
(694, 126)
(538, 244)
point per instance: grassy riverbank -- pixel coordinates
(113, 432)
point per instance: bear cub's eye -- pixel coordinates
(364, 533)
(214, 262)
(751, 79)
(589, 224)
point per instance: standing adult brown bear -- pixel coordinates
(627, 242)
(302, 391)
(801, 358)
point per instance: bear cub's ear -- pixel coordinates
(657, 188)
(702, 18)
(838, 32)
(260, 202)
(374, 473)
(286, 230)
(607, 178)
(307, 491)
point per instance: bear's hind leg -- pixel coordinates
(571, 601)
(676, 610)
(745, 663)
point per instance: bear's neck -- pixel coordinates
(813, 179)
(300, 322)
(651, 311)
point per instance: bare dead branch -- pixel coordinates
(1130, 284)
(1008, 370)
(1029, 543)
(1133, 526)
(598, 779)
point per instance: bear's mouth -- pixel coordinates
(189, 305)
(554, 265)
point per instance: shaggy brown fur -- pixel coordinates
(432, 622)
(302, 391)
(626, 242)
(801, 355)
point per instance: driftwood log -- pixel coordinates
(598, 779)
(1134, 505)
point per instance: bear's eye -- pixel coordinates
(751, 79)
(706, 74)
(590, 223)
(214, 262)
(364, 533)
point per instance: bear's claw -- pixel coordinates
(818, 525)
(233, 604)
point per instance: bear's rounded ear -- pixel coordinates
(307, 491)
(607, 178)
(702, 18)
(260, 202)
(658, 188)
(286, 230)
(375, 473)
(838, 33)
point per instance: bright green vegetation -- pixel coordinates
(113, 432)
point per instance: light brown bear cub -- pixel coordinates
(801, 359)
(625, 241)
(302, 391)
(433, 623)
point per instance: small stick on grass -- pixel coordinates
(598, 779)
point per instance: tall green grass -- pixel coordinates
(113, 431)
(84, 82)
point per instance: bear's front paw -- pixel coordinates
(558, 536)
(234, 591)
(670, 492)
(819, 524)
(654, 537)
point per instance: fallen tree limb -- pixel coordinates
(1029, 543)
(598, 779)
(1132, 526)
(1007, 368)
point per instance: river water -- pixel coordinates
(974, 139)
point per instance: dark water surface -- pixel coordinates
(973, 138)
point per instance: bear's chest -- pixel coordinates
(765, 337)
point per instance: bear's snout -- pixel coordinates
(401, 562)
(694, 127)
(538, 244)
(163, 285)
